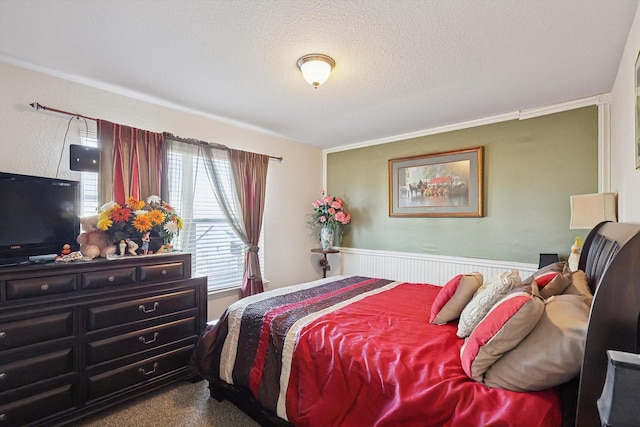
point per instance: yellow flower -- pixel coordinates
(179, 221)
(106, 213)
(156, 216)
(104, 222)
(142, 223)
(135, 204)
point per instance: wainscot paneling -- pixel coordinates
(421, 268)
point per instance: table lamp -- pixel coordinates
(587, 211)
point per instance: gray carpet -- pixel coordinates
(181, 404)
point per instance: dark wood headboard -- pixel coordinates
(611, 259)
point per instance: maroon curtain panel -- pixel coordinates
(250, 177)
(133, 163)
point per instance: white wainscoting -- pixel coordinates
(421, 268)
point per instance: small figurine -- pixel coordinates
(574, 256)
(165, 249)
(123, 247)
(66, 249)
(133, 247)
(146, 237)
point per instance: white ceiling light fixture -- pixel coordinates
(316, 68)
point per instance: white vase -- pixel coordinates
(326, 237)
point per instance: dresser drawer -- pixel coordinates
(158, 272)
(140, 340)
(40, 286)
(140, 309)
(34, 369)
(137, 373)
(35, 330)
(32, 408)
(115, 277)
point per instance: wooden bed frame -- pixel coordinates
(611, 260)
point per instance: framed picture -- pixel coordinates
(636, 89)
(445, 184)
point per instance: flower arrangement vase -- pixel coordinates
(326, 238)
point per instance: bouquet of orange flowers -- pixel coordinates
(138, 217)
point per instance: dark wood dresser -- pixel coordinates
(76, 338)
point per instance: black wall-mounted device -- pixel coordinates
(83, 158)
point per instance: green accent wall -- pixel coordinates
(531, 167)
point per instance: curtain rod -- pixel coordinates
(37, 107)
(210, 144)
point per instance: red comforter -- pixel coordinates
(356, 351)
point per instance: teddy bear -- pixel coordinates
(93, 241)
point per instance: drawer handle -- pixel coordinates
(144, 309)
(111, 278)
(44, 286)
(143, 340)
(163, 272)
(143, 372)
(3, 417)
(3, 335)
(3, 376)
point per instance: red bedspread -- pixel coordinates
(359, 352)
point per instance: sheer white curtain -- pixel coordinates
(217, 250)
(238, 179)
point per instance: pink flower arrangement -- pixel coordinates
(328, 211)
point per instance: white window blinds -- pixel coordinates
(216, 250)
(89, 180)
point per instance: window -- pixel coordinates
(89, 180)
(216, 250)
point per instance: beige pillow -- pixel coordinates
(507, 323)
(580, 286)
(484, 298)
(552, 352)
(552, 279)
(453, 297)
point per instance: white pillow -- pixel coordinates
(484, 298)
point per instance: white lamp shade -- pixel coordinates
(588, 210)
(316, 68)
(315, 72)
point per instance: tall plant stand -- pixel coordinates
(324, 263)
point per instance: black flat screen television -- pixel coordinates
(39, 216)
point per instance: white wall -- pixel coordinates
(31, 143)
(625, 179)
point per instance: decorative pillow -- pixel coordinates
(552, 279)
(551, 354)
(453, 297)
(580, 286)
(484, 298)
(506, 324)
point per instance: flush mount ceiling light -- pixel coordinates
(315, 68)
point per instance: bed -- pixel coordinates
(362, 351)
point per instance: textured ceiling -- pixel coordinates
(401, 65)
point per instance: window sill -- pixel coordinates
(229, 290)
(223, 292)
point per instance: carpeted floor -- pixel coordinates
(182, 404)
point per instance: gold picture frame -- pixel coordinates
(447, 184)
